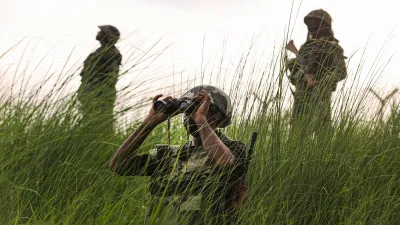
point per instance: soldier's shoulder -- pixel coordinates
(317, 45)
(114, 54)
(335, 47)
(309, 45)
(99, 50)
(95, 53)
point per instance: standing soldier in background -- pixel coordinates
(97, 92)
(318, 67)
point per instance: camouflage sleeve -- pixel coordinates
(324, 59)
(139, 165)
(239, 151)
(336, 65)
(311, 53)
(293, 67)
(112, 61)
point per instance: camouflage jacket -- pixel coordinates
(101, 68)
(323, 57)
(186, 177)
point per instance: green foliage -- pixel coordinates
(54, 167)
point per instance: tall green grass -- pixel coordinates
(54, 168)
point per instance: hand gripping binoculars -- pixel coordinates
(175, 106)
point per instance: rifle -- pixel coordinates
(246, 168)
(240, 188)
(292, 48)
(250, 153)
(311, 82)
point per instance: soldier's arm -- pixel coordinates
(125, 161)
(311, 53)
(113, 61)
(215, 148)
(126, 156)
(293, 67)
(217, 151)
(336, 64)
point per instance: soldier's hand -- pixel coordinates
(201, 114)
(290, 46)
(157, 117)
(311, 81)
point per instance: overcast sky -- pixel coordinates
(57, 27)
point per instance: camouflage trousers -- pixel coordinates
(311, 117)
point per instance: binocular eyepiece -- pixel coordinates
(175, 106)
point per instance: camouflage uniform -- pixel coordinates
(186, 182)
(97, 92)
(323, 57)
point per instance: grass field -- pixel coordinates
(54, 169)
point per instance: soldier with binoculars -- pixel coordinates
(202, 180)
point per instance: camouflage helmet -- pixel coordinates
(110, 30)
(319, 14)
(218, 98)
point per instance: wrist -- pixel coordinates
(200, 121)
(151, 121)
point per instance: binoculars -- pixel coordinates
(175, 106)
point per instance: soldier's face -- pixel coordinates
(100, 35)
(315, 25)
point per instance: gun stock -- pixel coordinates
(292, 48)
